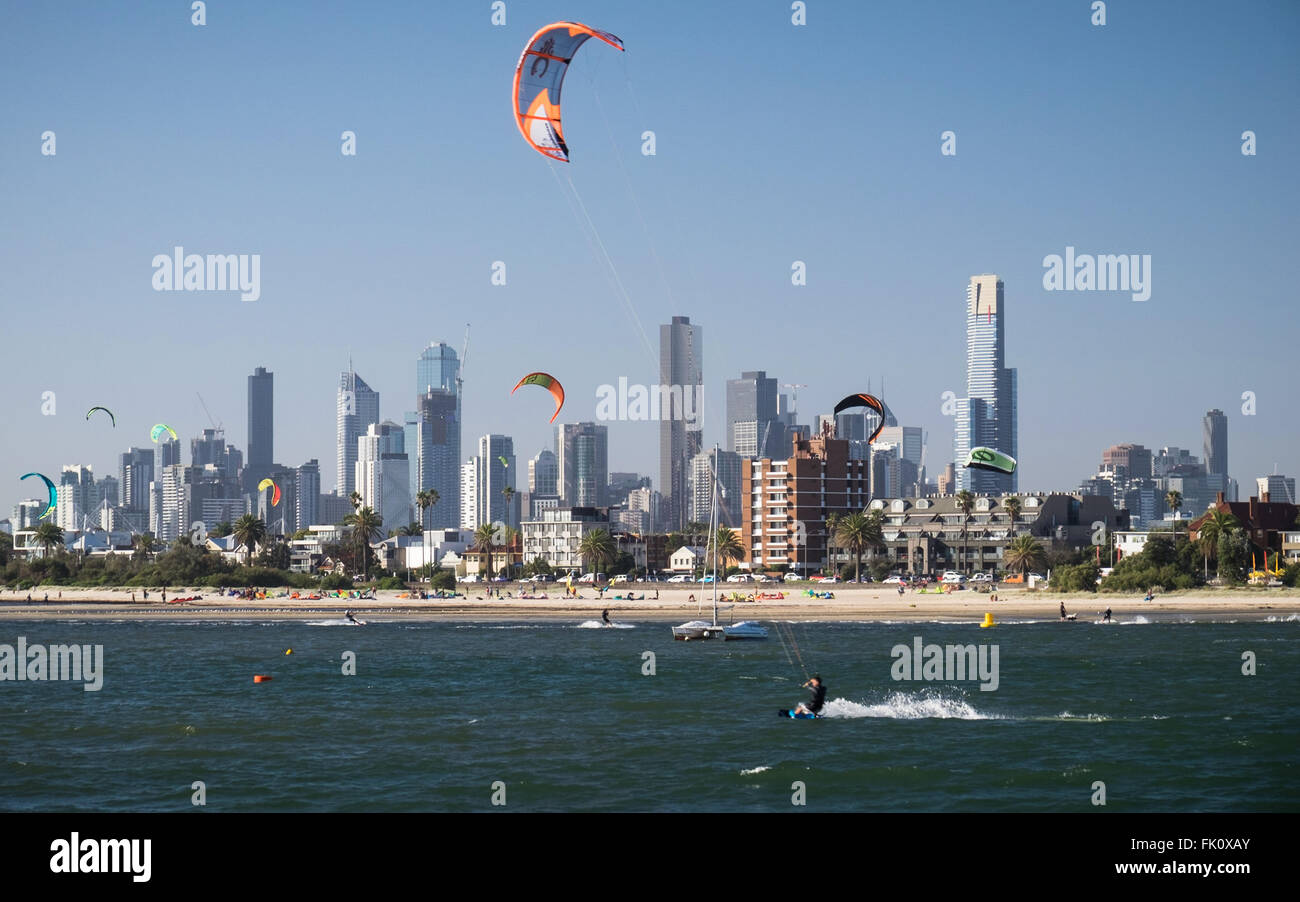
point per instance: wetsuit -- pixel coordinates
(604, 615)
(818, 699)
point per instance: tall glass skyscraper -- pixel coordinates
(681, 370)
(1215, 430)
(433, 434)
(261, 427)
(583, 463)
(357, 407)
(987, 415)
(751, 417)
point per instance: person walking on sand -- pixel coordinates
(1062, 610)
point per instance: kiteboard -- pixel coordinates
(790, 712)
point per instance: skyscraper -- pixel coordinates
(438, 456)
(308, 513)
(583, 464)
(730, 501)
(497, 471)
(987, 415)
(681, 376)
(1215, 431)
(543, 474)
(135, 472)
(433, 434)
(752, 427)
(261, 427)
(383, 479)
(356, 408)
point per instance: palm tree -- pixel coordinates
(48, 535)
(965, 503)
(1175, 501)
(1024, 553)
(250, 532)
(425, 500)
(832, 524)
(876, 519)
(509, 492)
(596, 548)
(727, 546)
(857, 532)
(366, 526)
(1012, 507)
(509, 535)
(1218, 523)
(144, 543)
(483, 537)
(355, 498)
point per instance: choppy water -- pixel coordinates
(563, 715)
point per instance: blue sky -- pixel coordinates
(775, 143)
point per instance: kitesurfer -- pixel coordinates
(604, 615)
(350, 618)
(1105, 618)
(818, 699)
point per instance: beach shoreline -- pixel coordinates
(851, 603)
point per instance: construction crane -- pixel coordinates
(460, 370)
(215, 425)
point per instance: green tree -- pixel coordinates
(1218, 524)
(1233, 555)
(367, 526)
(1012, 507)
(832, 524)
(484, 539)
(597, 549)
(222, 529)
(1175, 501)
(728, 546)
(250, 532)
(48, 535)
(425, 500)
(965, 503)
(857, 532)
(1024, 553)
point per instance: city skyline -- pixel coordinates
(403, 236)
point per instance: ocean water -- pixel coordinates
(563, 716)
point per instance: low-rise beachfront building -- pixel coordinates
(1264, 521)
(1291, 546)
(1129, 542)
(687, 559)
(928, 535)
(557, 535)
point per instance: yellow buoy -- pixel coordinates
(288, 651)
(988, 620)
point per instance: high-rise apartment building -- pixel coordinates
(261, 428)
(681, 377)
(356, 407)
(583, 464)
(987, 416)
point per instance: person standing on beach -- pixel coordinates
(1062, 610)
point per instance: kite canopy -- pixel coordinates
(988, 459)
(270, 483)
(106, 410)
(548, 382)
(54, 495)
(158, 430)
(864, 400)
(539, 77)
(505, 463)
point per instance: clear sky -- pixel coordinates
(775, 143)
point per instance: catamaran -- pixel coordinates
(704, 629)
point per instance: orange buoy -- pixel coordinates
(261, 678)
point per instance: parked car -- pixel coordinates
(621, 578)
(760, 578)
(894, 580)
(953, 579)
(791, 578)
(471, 578)
(982, 577)
(740, 578)
(679, 578)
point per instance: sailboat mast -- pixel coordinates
(713, 530)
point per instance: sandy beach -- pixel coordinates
(851, 603)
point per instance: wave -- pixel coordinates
(754, 770)
(341, 621)
(599, 625)
(903, 706)
(1273, 618)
